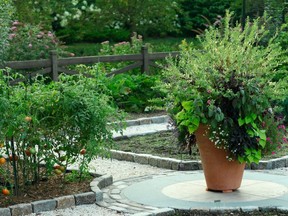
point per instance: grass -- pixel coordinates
(165, 144)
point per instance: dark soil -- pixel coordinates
(165, 144)
(46, 189)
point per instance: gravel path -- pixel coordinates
(119, 170)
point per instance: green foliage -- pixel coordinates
(6, 12)
(197, 12)
(52, 123)
(134, 93)
(145, 17)
(27, 42)
(228, 83)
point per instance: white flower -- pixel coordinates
(74, 2)
(66, 13)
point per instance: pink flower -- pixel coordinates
(49, 34)
(273, 153)
(284, 139)
(13, 28)
(208, 102)
(268, 139)
(11, 36)
(16, 22)
(209, 91)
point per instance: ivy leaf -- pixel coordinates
(192, 128)
(241, 121)
(195, 120)
(181, 115)
(262, 134)
(248, 119)
(262, 143)
(187, 105)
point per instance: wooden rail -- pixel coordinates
(55, 65)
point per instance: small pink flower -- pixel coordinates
(30, 45)
(273, 153)
(49, 34)
(284, 139)
(13, 28)
(268, 139)
(47, 47)
(209, 91)
(11, 36)
(16, 22)
(208, 102)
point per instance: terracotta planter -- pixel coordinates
(220, 174)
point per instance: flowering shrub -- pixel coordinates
(228, 84)
(28, 42)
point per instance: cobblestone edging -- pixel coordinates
(114, 199)
(148, 120)
(96, 195)
(175, 164)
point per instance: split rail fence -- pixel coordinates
(54, 66)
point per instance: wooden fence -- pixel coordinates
(55, 65)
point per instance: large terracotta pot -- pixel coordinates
(220, 174)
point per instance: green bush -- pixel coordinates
(132, 91)
(135, 93)
(28, 42)
(6, 11)
(55, 124)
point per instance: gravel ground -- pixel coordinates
(119, 170)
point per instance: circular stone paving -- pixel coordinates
(251, 190)
(185, 190)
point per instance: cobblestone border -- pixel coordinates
(96, 195)
(250, 210)
(183, 165)
(148, 120)
(114, 199)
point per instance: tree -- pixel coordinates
(196, 12)
(147, 17)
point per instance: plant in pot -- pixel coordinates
(221, 92)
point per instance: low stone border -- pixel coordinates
(175, 164)
(68, 201)
(148, 120)
(250, 210)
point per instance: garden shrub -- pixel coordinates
(132, 91)
(54, 125)
(6, 11)
(135, 93)
(28, 42)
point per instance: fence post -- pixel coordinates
(54, 65)
(145, 57)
